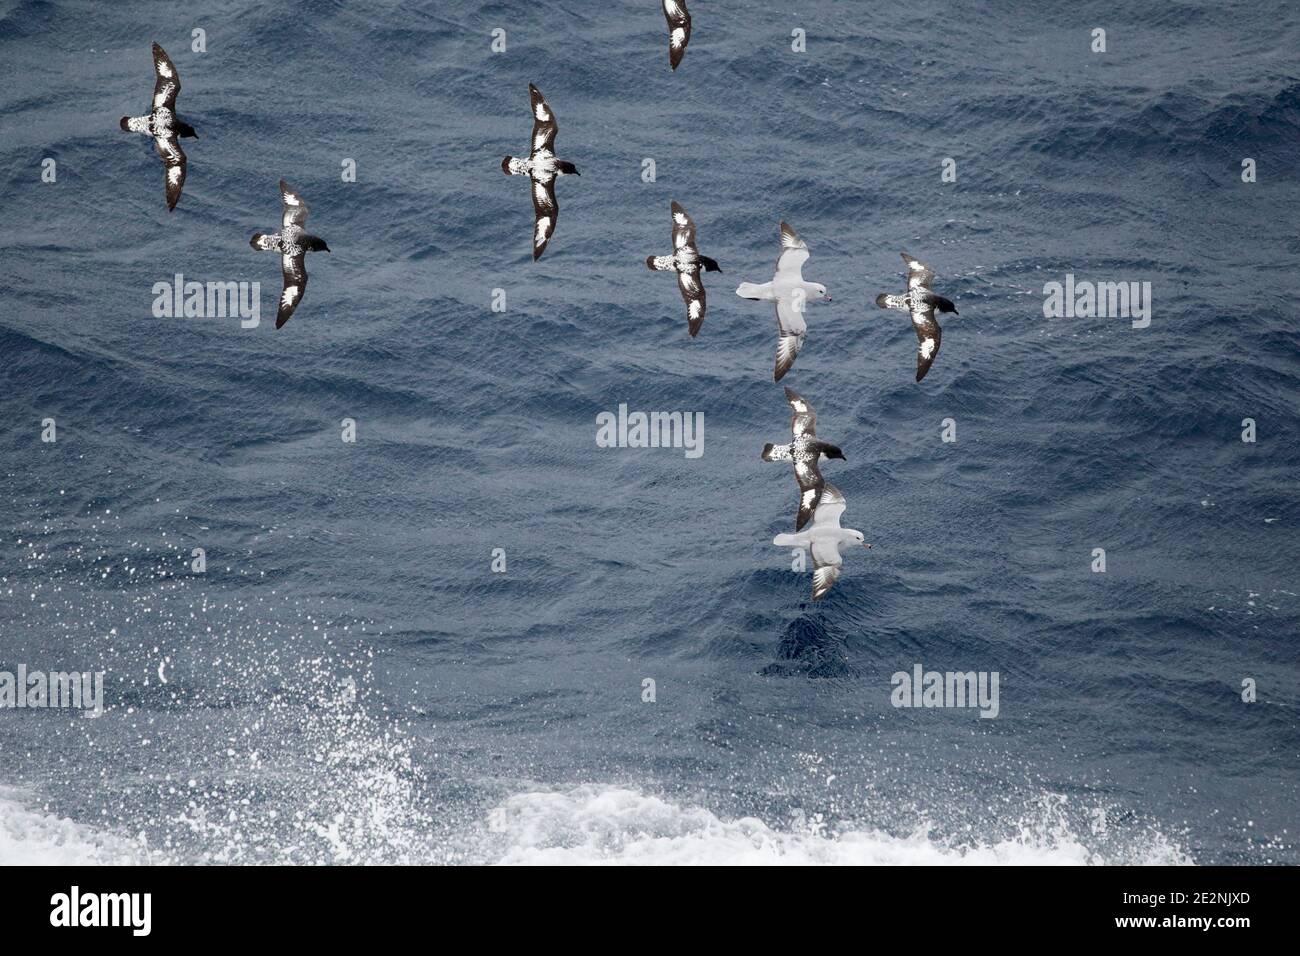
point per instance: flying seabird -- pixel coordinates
(921, 303)
(542, 166)
(679, 29)
(824, 539)
(687, 262)
(791, 294)
(293, 244)
(805, 451)
(164, 125)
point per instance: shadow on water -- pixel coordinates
(810, 648)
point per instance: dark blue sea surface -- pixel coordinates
(349, 681)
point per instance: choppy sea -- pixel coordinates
(349, 681)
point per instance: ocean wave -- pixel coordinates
(33, 837)
(476, 432)
(618, 825)
(597, 824)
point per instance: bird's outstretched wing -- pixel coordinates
(679, 30)
(794, 253)
(544, 124)
(295, 282)
(787, 350)
(166, 80)
(683, 228)
(804, 419)
(928, 336)
(546, 211)
(692, 290)
(919, 274)
(174, 166)
(830, 508)
(811, 486)
(824, 575)
(295, 210)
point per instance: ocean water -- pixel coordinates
(350, 682)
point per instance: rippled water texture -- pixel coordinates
(350, 682)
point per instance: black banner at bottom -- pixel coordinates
(219, 904)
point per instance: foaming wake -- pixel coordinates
(31, 837)
(615, 825)
(587, 825)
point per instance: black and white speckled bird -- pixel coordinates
(293, 243)
(805, 451)
(164, 125)
(542, 167)
(920, 302)
(687, 262)
(679, 30)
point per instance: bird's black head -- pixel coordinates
(122, 123)
(566, 169)
(185, 129)
(314, 244)
(710, 265)
(944, 305)
(833, 451)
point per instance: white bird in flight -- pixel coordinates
(790, 293)
(823, 539)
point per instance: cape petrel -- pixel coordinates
(542, 167)
(687, 262)
(164, 125)
(293, 243)
(920, 302)
(805, 451)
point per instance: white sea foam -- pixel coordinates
(32, 837)
(615, 825)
